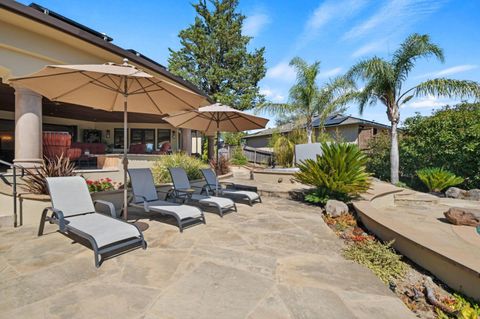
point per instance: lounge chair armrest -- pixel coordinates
(228, 183)
(59, 216)
(110, 206)
(185, 190)
(145, 202)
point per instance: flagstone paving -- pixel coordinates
(270, 261)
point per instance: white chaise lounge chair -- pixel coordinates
(183, 190)
(145, 196)
(74, 212)
(214, 186)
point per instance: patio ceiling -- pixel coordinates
(76, 112)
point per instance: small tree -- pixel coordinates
(307, 100)
(384, 82)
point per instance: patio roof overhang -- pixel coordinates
(75, 112)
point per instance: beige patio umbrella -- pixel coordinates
(112, 87)
(217, 118)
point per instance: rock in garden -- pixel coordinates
(335, 208)
(455, 192)
(473, 194)
(463, 216)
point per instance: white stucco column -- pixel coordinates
(187, 141)
(28, 127)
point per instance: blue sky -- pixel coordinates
(336, 32)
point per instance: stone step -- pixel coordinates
(411, 199)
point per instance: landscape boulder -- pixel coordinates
(473, 194)
(335, 208)
(455, 192)
(463, 216)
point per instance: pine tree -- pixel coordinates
(214, 55)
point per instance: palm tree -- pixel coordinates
(307, 100)
(384, 82)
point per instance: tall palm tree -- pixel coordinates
(384, 82)
(307, 100)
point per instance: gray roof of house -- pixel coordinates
(331, 121)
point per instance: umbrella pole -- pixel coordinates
(125, 159)
(218, 145)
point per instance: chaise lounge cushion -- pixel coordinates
(238, 193)
(105, 230)
(182, 211)
(221, 201)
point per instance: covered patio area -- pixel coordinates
(96, 136)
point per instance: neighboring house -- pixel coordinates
(344, 127)
(32, 37)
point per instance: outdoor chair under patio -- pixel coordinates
(145, 196)
(183, 190)
(214, 186)
(74, 212)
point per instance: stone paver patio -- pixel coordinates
(274, 260)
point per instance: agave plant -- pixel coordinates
(341, 169)
(437, 179)
(35, 180)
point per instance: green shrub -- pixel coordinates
(190, 164)
(284, 146)
(238, 158)
(449, 138)
(378, 162)
(284, 150)
(437, 179)
(465, 308)
(340, 170)
(378, 257)
(233, 138)
(320, 196)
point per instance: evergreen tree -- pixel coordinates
(214, 55)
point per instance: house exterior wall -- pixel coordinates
(104, 126)
(351, 133)
(346, 133)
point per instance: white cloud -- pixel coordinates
(329, 12)
(450, 71)
(330, 73)
(333, 10)
(254, 24)
(282, 71)
(393, 16)
(272, 95)
(429, 101)
(368, 48)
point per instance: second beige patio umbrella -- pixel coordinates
(112, 87)
(217, 118)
